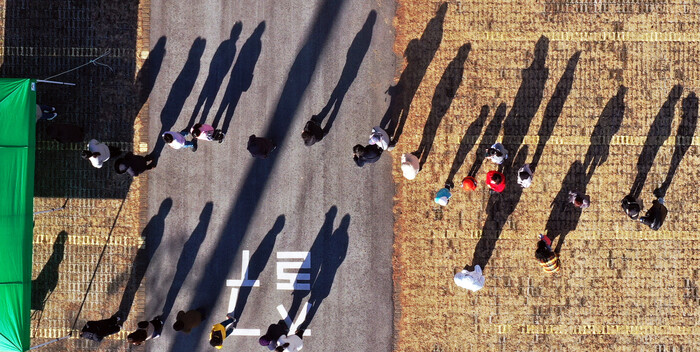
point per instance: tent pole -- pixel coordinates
(48, 211)
(52, 341)
(55, 82)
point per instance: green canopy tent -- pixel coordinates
(17, 147)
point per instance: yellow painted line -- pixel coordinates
(574, 36)
(46, 333)
(603, 235)
(64, 52)
(91, 240)
(593, 329)
(615, 140)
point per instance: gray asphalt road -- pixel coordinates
(267, 75)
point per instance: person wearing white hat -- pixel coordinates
(409, 166)
(471, 280)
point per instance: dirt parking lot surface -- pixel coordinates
(599, 96)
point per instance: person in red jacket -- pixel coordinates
(496, 181)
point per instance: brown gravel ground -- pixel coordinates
(622, 287)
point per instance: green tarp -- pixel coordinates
(17, 147)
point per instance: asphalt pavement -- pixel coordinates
(305, 232)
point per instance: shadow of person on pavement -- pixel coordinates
(554, 108)
(684, 138)
(526, 103)
(187, 258)
(488, 139)
(419, 54)
(499, 208)
(353, 61)
(153, 233)
(316, 257)
(241, 77)
(659, 131)
(258, 261)
(564, 216)
(47, 280)
(335, 248)
(471, 135)
(218, 69)
(609, 123)
(445, 92)
(146, 78)
(180, 90)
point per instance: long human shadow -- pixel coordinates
(335, 248)
(489, 138)
(445, 92)
(180, 90)
(554, 108)
(146, 78)
(219, 66)
(564, 217)
(684, 137)
(258, 261)
(609, 123)
(315, 257)
(419, 54)
(241, 77)
(471, 135)
(527, 101)
(187, 258)
(659, 131)
(499, 208)
(47, 280)
(353, 60)
(153, 233)
(257, 177)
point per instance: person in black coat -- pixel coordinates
(97, 330)
(274, 332)
(260, 147)
(134, 165)
(632, 206)
(312, 133)
(366, 155)
(656, 215)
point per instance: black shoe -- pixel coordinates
(194, 148)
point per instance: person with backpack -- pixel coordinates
(96, 330)
(220, 331)
(207, 133)
(656, 215)
(496, 181)
(176, 140)
(146, 330)
(497, 153)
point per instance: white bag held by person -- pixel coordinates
(472, 281)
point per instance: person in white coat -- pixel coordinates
(379, 137)
(97, 153)
(471, 280)
(409, 166)
(290, 343)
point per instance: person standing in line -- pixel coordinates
(443, 195)
(632, 206)
(380, 138)
(260, 147)
(97, 153)
(471, 280)
(146, 330)
(579, 200)
(96, 330)
(207, 132)
(176, 140)
(525, 176)
(497, 153)
(496, 181)
(656, 215)
(220, 331)
(274, 332)
(45, 112)
(312, 133)
(469, 183)
(410, 166)
(548, 259)
(366, 155)
(293, 343)
(186, 321)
